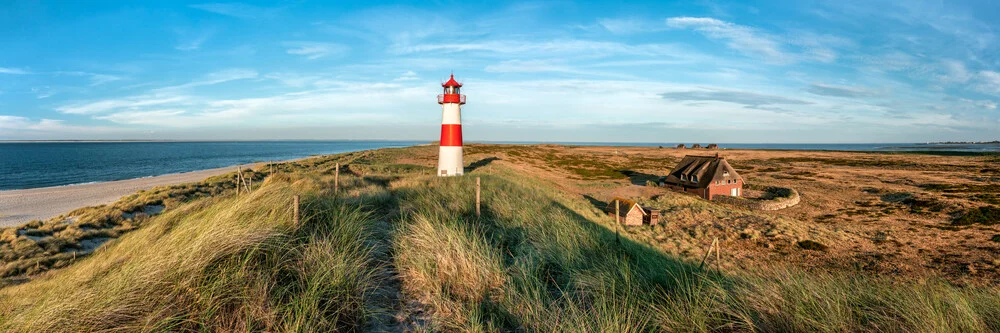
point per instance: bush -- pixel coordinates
(986, 215)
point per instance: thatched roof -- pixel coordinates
(625, 205)
(706, 169)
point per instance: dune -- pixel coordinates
(20, 206)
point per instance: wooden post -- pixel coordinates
(718, 256)
(239, 178)
(295, 210)
(715, 242)
(478, 212)
(336, 179)
(618, 222)
(618, 216)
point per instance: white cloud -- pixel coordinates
(95, 78)
(238, 10)
(628, 25)
(126, 103)
(13, 71)
(954, 72)
(190, 41)
(989, 82)
(408, 76)
(314, 50)
(152, 117)
(741, 38)
(23, 126)
(563, 47)
(841, 91)
(222, 76)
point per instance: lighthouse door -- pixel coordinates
(734, 192)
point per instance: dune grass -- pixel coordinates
(221, 264)
(540, 261)
(399, 249)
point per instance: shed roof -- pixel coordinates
(625, 206)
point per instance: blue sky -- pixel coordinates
(802, 71)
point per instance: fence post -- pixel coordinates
(336, 179)
(478, 212)
(239, 178)
(618, 222)
(715, 243)
(618, 217)
(295, 210)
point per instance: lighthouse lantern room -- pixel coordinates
(450, 154)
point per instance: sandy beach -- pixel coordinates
(20, 206)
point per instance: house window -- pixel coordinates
(694, 179)
(725, 173)
(683, 177)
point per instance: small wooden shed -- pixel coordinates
(631, 213)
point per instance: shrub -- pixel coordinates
(986, 215)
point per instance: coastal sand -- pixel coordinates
(20, 206)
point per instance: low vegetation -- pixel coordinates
(399, 249)
(986, 215)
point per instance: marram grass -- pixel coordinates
(395, 244)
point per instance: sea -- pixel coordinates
(25, 165)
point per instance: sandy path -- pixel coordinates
(20, 206)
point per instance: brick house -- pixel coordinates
(631, 213)
(704, 176)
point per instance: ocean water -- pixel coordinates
(41, 164)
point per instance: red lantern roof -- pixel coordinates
(451, 82)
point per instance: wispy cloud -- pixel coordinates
(408, 76)
(629, 25)
(954, 71)
(745, 98)
(96, 79)
(238, 10)
(741, 38)
(153, 117)
(989, 82)
(133, 102)
(213, 78)
(841, 91)
(314, 50)
(13, 71)
(190, 41)
(49, 127)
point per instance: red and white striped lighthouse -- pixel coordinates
(450, 155)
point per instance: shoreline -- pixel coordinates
(21, 206)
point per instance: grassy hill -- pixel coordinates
(398, 249)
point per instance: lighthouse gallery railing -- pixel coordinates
(451, 98)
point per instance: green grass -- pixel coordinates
(396, 242)
(220, 264)
(985, 215)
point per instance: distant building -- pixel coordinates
(680, 146)
(696, 146)
(705, 176)
(631, 213)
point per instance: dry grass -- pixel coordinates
(400, 249)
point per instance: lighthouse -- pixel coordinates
(450, 155)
